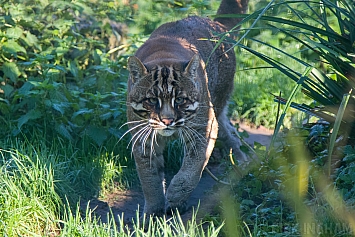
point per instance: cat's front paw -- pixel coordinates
(154, 211)
(172, 208)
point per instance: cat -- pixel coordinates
(173, 93)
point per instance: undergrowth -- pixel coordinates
(62, 104)
(42, 188)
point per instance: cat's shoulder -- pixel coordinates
(188, 27)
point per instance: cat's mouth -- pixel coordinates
(166, 132)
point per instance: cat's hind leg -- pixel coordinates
(226, 132)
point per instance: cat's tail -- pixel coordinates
(231, 7)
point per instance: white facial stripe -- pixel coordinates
(138, 106)
(170, 87)
(153, 121)
(173, 102)
(192, 106)
(180, 121)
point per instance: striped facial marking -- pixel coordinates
(168, 102)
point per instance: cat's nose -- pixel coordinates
(167, 121)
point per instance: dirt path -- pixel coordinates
(127, 203)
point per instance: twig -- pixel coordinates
(246, 144)
(215, 178)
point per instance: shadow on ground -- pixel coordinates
(126, 203)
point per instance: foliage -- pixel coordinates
(287, 188)
(289, 194)
(148, 15)
(256, 86)
(27, 194)
(324, 33)
(345, 178)
(62, 102)
(75, 225)
(57, 75)
(257, 83)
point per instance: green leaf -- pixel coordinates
(248, 202)
(82, 111)
(5, 101)
(244, 134)
(11, 71)
(13, 47)
(14, 33)
(97, 134)
(31, 40)
(349, 150)
(116, 113)
(25, 88)
(60, 107)
(8, 89)
(73, 68)
(259, 146)
(62, 130)
(336, 127)
(106, 116)
(31, 115)
(349, 158)
(61, 51)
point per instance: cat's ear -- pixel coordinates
(136, 68)
(192, 66)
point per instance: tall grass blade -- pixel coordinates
(309, 28)
(288, 104)
(258, 16)
(336, 127)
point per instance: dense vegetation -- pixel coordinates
(62, 104)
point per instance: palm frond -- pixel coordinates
(325, 28)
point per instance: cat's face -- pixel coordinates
(165, 96)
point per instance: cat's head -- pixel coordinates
(167, 95)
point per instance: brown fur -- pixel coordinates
(183, 98)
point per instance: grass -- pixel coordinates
(89, 225)
(36, 179)
(257, 84)
(42, 188)
(29, 198)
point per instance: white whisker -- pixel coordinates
(138, 121)
(131, 130)
(138, 135)
(201, 138)
(190, 139)
(183, 142)
(145, 138)
(152, 151)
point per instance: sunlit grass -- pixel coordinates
(28, 199)
(257, 84)
(41, 190)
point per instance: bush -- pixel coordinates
(57, 73)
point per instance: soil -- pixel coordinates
(124, 204)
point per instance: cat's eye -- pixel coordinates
(179, 100)
(152, 100)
